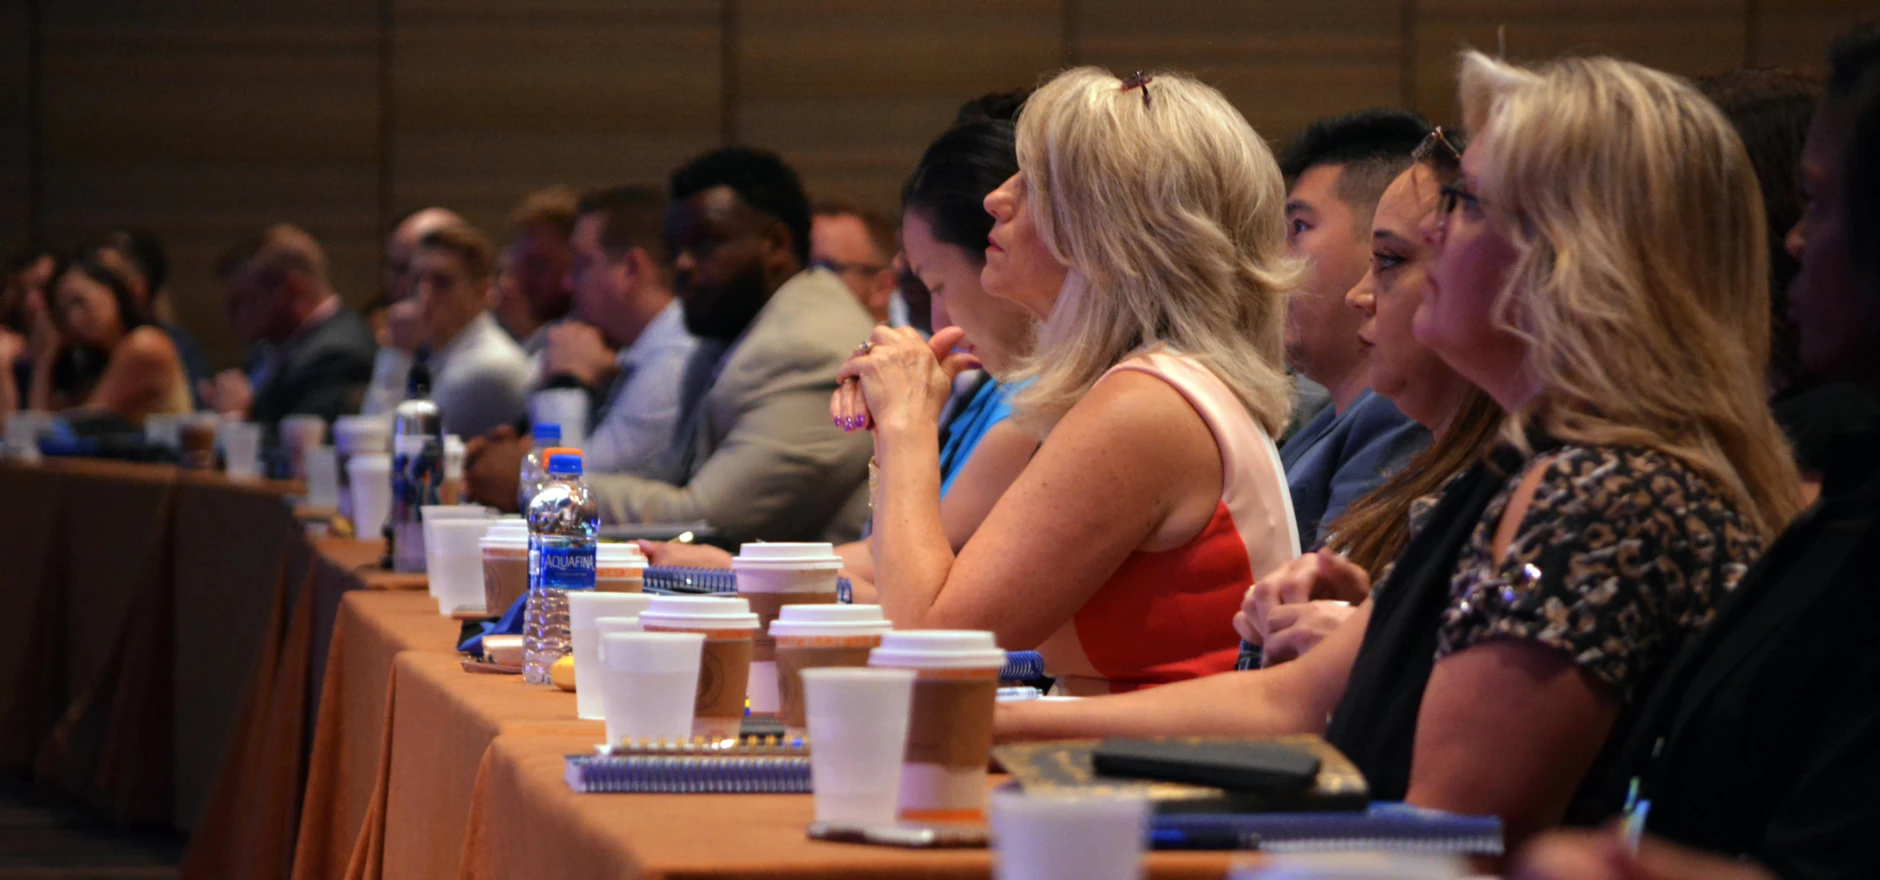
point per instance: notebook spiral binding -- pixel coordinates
(688, 774)
(1022, 666)
(675, 580)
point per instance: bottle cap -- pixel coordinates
(564, 463)
(547, 433)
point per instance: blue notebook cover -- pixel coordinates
(1386, 826)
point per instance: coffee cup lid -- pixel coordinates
(508, 533)
(619, 554)
(370, 461)
(829, 620)
(704, 612)
(938, 649)
(814, 556)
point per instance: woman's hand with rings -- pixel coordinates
(896, 375)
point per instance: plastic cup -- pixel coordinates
(299, 435)
(724, 672)
(567, 407)
(369, 478)
(949, 733)
(816, 637)
(454, 564)
(164, 430)
(1067, 836)
(323, 477)
(858, 725)
(619, 567)
(505, 563)
(649, 685)
(429, 516)
(771, 576)
(241, 450)
(584, 607)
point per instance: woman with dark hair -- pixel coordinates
(110, 358)
(944, 228)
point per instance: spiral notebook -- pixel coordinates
(676, 580)
(749, 766)
(1385, 827)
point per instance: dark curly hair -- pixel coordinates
(759, 177)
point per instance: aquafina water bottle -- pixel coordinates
(563, 527)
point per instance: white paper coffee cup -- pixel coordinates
(819, 637)
(724, 672)
(771, 576)
(949, 733)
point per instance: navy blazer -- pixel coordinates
(1338, 457)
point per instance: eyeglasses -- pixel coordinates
(1441, 155)
(841, 268)
(1453, 194)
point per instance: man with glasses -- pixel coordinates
(858, 245)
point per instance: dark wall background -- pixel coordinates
(204, 119)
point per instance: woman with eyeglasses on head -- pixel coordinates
(1145, 231)
(1600, 272)
(110, 358)
(1289, 610)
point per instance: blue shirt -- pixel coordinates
(990, 404)
(1337, 458)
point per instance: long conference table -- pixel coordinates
(304, 714)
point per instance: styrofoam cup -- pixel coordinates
(369, 480)
(650, 683)
(241, 450)
(323, 477)
(300, 434)
(1067, 836)
(430, 516)
(858, 723)
(585, 607)
(567, 407)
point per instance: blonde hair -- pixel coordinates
(1641, 282)
(1170, 217)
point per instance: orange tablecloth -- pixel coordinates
(527, 823)
(470, 785)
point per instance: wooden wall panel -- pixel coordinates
(16, 105)
(1796, 33)
(851, 91)
(493, 98)
(1689, 37)
(204, 120)
(1282, 63)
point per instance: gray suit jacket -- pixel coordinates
(763, 460)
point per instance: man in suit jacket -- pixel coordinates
(754, 442)
(316, 357)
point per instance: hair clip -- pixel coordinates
(1139, 80)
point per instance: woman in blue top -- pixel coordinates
(943, 231)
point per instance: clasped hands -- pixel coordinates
(1298, 604)
(898, 379)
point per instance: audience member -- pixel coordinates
(1769, 108)
(1290, 610)
(1607, 855)
(532, 282)
(628, 346)
(858, 245)
(479, 376)
(138, 256)
(756, 456)
(26, 327)
(315, 358)
(1599, 271)
(110, 360)
(946, 224)
(1157, 385)
(1760, 739)
(1338, 168)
